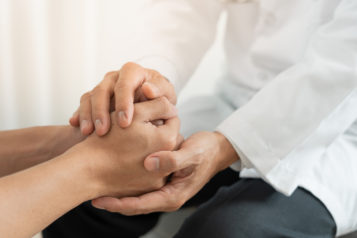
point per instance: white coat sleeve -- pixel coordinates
(290, 122)
(173, 35)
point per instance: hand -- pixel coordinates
(117, 159)
(199, 158)
(118, 91)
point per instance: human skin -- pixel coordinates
(111, 165)
(24, 148)
(200, 157)
(117, 92)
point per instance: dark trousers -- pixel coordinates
(240, 208)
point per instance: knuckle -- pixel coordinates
(122, 85)
(85, 97)
(110, 74)
(171, 142)
(129, 65)
(154, 72)
(174, 161)
(97, 89)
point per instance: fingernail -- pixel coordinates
(84, 125)
(153, 87)
(99, 207)
(98, 124)
(175, 109)
(122, 116)
(153, 164)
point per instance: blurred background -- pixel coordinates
(53, 51)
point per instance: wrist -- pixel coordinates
(64, 138)
(226, 154)
(83, 171)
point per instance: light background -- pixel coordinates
(53, 51)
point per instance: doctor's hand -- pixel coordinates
(118, 92)
(199, 158)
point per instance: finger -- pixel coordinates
(74, 120)
(163, 200)
(180, 139)
(139, 96)
(157, 87)
(171, 126)
(159, 108)
(171, 161)
(112, 104)
(85, 114)
(132, 76)
(100, 100)
(169, 133)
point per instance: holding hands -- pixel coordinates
(198, 159)
(194, 163)
(115, 161)
(111, 165)
(117, 92)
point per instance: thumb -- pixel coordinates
(170, 161)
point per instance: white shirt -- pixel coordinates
(293, 76)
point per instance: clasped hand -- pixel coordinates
(193, 163)
(115, 161)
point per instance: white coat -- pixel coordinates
(292, 77)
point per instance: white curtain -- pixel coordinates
(52, 51)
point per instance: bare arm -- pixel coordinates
(111, 165)
(24, 148)
(34, 198)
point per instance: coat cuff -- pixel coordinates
(255, 154)
(243, 161)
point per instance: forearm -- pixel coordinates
(34, 198)
(24, 148)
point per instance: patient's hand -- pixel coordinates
(117, 159)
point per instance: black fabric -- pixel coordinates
(252, 208)
(245, 208)
(89, 222)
